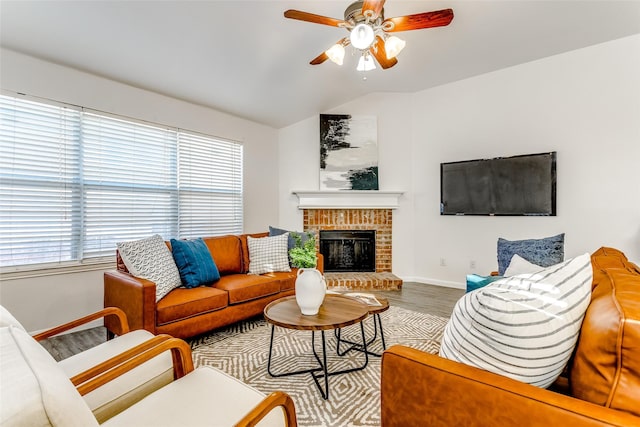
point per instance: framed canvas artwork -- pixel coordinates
(348, 152)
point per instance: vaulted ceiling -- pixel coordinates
(245, 58)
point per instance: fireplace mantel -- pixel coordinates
(352, 199)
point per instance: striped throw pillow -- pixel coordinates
(268, 254)
(523, 327)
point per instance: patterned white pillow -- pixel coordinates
(523, 327)
(519, 265)
(268, 254)
(151, 259)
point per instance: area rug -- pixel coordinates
(354, 399)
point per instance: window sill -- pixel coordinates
(26, 272)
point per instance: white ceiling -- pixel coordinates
(245, 58)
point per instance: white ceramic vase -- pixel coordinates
(310, 290)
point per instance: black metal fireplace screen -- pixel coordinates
(348, 250)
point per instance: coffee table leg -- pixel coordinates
(377, 322)
(338, 333)
(324, 391)
(284, 374)
(384, 345)
(270, 351)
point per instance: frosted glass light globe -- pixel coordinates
(393, 46)
(366, 63)
(336, 53)
(362, 36)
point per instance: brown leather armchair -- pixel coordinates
(602, 387)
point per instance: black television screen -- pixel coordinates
(518, 185)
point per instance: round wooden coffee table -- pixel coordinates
(336, 312)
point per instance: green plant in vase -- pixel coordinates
(303, 255)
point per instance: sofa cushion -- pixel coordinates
(544, 252)
(244, 287)
(291, 241)
(245, 248)
(183, 303)
(606, 366)
(194, 262)
(35, 391)
(287, 278)
(524, 327)
(226, 252)
(519, 265)
(150, 259)
(7, 319)
(206, 396)
(268, 254)
(122, 392)
(475, 281)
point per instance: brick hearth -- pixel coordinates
(363, 281)
(379, 220)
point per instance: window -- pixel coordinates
(75, 182)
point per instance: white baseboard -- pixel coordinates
(437, 282)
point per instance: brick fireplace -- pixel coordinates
(378, 220)
(355, 210)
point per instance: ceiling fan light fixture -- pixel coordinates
(366, 63)
(362, 36)
(393, 46)
(336, 53)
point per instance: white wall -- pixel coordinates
(32, 300)
(583, 104)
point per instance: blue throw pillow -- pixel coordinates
(475, 281)
(543, 252)
(291, 243)
(194, 261)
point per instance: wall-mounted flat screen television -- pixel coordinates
(518, 185)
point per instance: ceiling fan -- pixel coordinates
(369, 32)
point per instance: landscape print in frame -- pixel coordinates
(348, 152)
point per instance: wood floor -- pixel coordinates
(419, 297)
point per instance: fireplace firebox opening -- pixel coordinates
(348, 250)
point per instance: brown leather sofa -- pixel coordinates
(602, 386)
(185, 312)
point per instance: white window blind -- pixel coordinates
(39, 183)
(74, 183)
(129, 182)
(210, 175)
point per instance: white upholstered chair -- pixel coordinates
(113, 397)
(36, 391)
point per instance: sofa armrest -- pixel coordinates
(274, 400)
(418, 388)
(119, 319)
(320, 262)
(135, 296)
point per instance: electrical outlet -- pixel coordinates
(443, 262)
(472, 264)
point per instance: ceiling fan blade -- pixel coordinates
(319, 59)
(378, 51)
(375, 6)
(438, 18)
(310, 17)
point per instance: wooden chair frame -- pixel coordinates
(116, 366)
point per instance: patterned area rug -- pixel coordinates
(354, 398)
